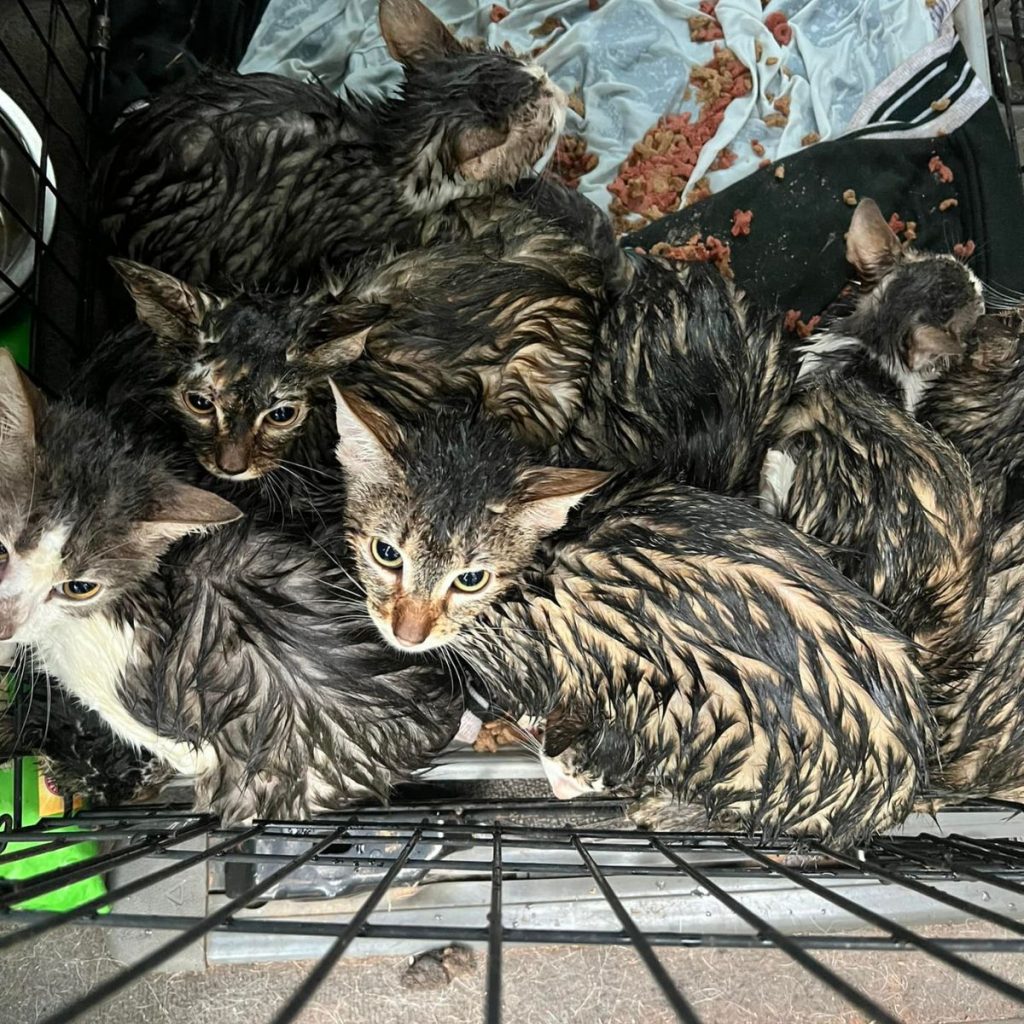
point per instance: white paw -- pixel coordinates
(776, 481)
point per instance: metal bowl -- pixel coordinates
(21, 151)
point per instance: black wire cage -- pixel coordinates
(473, 879)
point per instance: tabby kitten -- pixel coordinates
(235, 383)
(239, 384)
(978, 403)
(235, 658)
(850, 467)
(704, 649)
(254, 179)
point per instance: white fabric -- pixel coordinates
(631, 60)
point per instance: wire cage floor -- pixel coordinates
(497, 876)
(696, 924)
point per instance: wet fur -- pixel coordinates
(259, 180)
(242, 657)
(704, 648)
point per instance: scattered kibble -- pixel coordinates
(758, 50)
(704, 29)
(806, 329)
(575, 103)
(850, 197)
(940, 105)
(896, 224)
(964, 250)
(571, 160)
(764, 163)
(795, 325)
(780, 171)
(778, 24)
(757, 147)
(494, 735)
(771, 61)
(741, 222)
(696, 250)
(792, 319)
(776, 121)
(594, 5)
(782, 105)
(940, 170)
(947, 204)
(910, 234)
(498, 13)
(810, 139)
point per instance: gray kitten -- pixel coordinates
(242, 658)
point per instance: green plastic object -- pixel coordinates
(68, 897)
(15, 335)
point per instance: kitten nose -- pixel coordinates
(10, 621)
(412, 622)
(233, 457)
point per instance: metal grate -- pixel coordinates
(646, 891)
(1006, 37)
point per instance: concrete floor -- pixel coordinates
(551, 985)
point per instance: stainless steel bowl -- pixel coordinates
(21, 151)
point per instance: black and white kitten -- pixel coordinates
(259, 180)
(243, 658)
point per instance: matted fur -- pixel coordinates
(256, 179)
(982, 738)
(683, 369)
(698, 645)
(244, 657)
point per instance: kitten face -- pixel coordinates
(82, 518)
(587, 752)
(918, 307)
(444, 517)
(242, 375)
(495, 112)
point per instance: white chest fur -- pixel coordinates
(89, 656)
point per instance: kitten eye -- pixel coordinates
(283, 415)
(471, 582)
(3, 554)
(198, 403)
(386, 555)
(79, 590)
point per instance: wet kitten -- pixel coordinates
(236, 657)
(978, 404)
(259, 180)
(705, 649)
(848, 466)
(236, 384)
(239, 383)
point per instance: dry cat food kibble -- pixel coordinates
(571, 160)
(940, 170)
(939, 105)
(850, 197)
(497, 734)
(498, 13)
(964, 250)
(896, 224)
(704, 27)
(741, 222)
(947, 204)
(696, 250)
(795, 325)
(772, 61)
(782, 105)
(547, 26)
(780, 171)
(764, 163)
(910, 234)
(776, 120)
(653, 177)
(810, 139)
(757, 147)
(778, 24)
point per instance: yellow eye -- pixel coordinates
(471, 582)
(198, 403)
(385, 554)
(283, 415)
(79, 590)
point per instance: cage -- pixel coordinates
(523, 907)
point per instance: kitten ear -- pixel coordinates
(930, 345)
(475, 151)
(366, 436)
(21, 406)
(414, 34)
(871, 245)
(184, 510)
(550, 492)
(333, 354)
(172, 308)
(561, 729)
